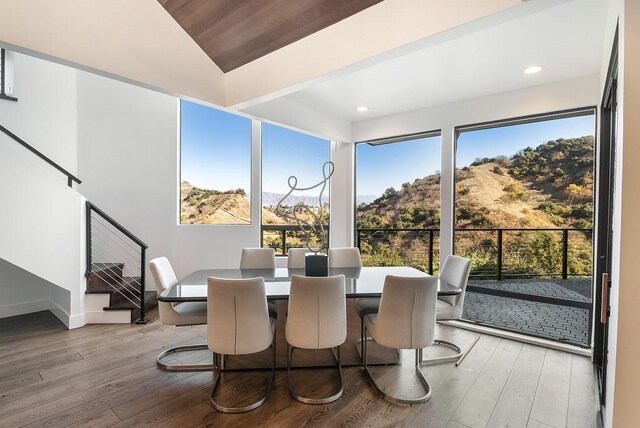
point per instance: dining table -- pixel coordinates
(359, 283)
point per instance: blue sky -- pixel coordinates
(508, 140)
(216, 151)
(216, 148)
(285, 153)
(390, 165)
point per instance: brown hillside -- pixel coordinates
(511, 202)
(203, 206)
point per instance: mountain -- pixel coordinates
(270, 199)
(549, 186)
(204, 206)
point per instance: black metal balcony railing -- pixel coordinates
(497, 253)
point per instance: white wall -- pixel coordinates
(22, 292)
(41, 230)
(581, 92)
(45, 115)
(128, 159)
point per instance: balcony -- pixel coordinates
(534, 281)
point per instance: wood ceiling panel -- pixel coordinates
(236, 32)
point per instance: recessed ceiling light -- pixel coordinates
(362, 108)
(532, 70)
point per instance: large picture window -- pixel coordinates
(524, 216)
(398, 202)
(215, 166)
(288, 153)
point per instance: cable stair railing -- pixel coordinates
(116, 264)
(116, 258)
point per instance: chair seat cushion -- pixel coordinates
(191, 308)
(367, 306)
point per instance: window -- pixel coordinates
(288, 153)
(524, 216)
(6, 75)
(398, 201)
(215, 166)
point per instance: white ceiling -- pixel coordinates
(567, 40)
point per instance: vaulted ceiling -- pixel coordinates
(236, 32)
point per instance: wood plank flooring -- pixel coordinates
(105, 376)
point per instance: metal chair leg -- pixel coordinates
(308, 400)
(184, 367)
(252, 406)
(362, 338)
(396, 399)
(439, 360)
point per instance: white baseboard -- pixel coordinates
(23, 308)
(520, 337)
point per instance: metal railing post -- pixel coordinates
(359, 239)
(499, 255)
(284, 242)
(143, 263)
(565, 253)
(430, 251)
(88, 239)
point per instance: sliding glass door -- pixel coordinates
(524, 216)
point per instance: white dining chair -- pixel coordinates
(258, 258)
(455, 271)
(296, 257)
(345, 257)
(406, 320)
(238, 323)
(177, 314)
(317, 319)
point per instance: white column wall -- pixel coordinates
(341, 233)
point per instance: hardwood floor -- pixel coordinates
(105, 375)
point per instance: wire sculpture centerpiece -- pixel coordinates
(309, 220)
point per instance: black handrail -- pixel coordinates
(499, 262)
(143, 251)
(91, 206)
(70, 177)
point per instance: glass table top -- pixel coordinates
(359, 282)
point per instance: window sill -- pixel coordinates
(7, 97)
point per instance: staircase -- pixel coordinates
(116, 264)
(118, 295)
(115, 258)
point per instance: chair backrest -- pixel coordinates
(347, 257)
(455, 270)
(237, 316)
(165, 277)
(163, 274)
(296, 257)
(407, 315)
(258, 258)
(317, 314)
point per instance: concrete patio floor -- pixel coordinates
(556, 322)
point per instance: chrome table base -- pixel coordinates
(184, 367)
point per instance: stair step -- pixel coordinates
(150, 301)
(131, 283)
(105, 273)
